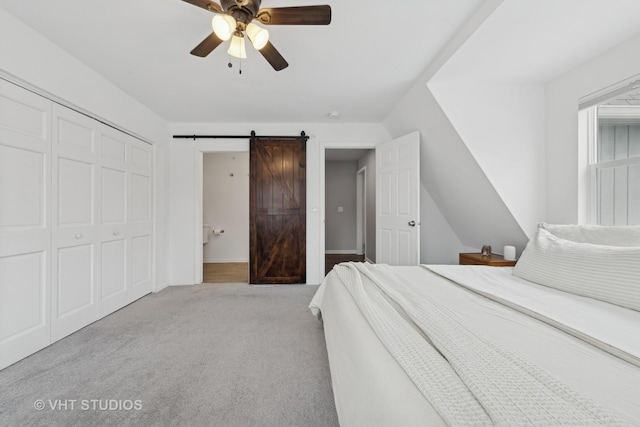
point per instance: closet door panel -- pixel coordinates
(113, 270)
(21, 188)
(25, 233)
(76, 192)
(113, 205)
(141, 224)
(22, 286)
(115, 284)
(75, 278)
(141, 199)
(140, 261)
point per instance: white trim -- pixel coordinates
(200, 148)
(361, 210)
(368, 260)
(617, 163)
(619, 114)
(609, 92)
(160, 286)
(589, 120)
(341, 252)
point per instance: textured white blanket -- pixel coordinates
(609, 327)
(469, 379)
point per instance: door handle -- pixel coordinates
(412, 223)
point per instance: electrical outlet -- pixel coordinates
(340, 209)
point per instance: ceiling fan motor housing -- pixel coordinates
(242, 10)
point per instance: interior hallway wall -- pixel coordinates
(340, 206)
(225, 202)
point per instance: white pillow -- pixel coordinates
(596, 234)
(605, 273)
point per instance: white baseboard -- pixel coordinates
(368, 260)
(341, 252)
(220, 261)
(160, 286)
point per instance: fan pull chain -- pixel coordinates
(230, 65)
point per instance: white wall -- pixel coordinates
(502, 125)
(565, 158)
(185, 171)
(226, 206)
(340, 192)
(34, 61)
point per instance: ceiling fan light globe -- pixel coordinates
(237, 47)
(223, 25)
(259, 36)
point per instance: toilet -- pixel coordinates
(206, 230)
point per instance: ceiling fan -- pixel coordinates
(233, 18)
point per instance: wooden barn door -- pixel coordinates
(278, 211)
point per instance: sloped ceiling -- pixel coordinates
(489, 183)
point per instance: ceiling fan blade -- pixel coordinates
(206, 4)
(207, 45)
(274, 58)
(297, 15)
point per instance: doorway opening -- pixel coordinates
(225, 217)
(349, 231)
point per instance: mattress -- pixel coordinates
(371, 387)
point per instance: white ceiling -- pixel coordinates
(537, 40)
(360, 65)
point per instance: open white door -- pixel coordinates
(398, 201)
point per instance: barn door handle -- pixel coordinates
(412, 223)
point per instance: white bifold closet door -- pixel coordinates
(25, 223)
(101, 220)
(75, 221)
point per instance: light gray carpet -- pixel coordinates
(208, 355)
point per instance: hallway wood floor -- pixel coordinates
(225, 272)
(332, 259)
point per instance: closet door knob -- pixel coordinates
(116, 232)
(412, 223)
(79, 236)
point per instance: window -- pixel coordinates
(614, 160)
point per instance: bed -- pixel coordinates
(552, 341)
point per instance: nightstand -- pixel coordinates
(493, 260)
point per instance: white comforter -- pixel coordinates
(572, 391)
